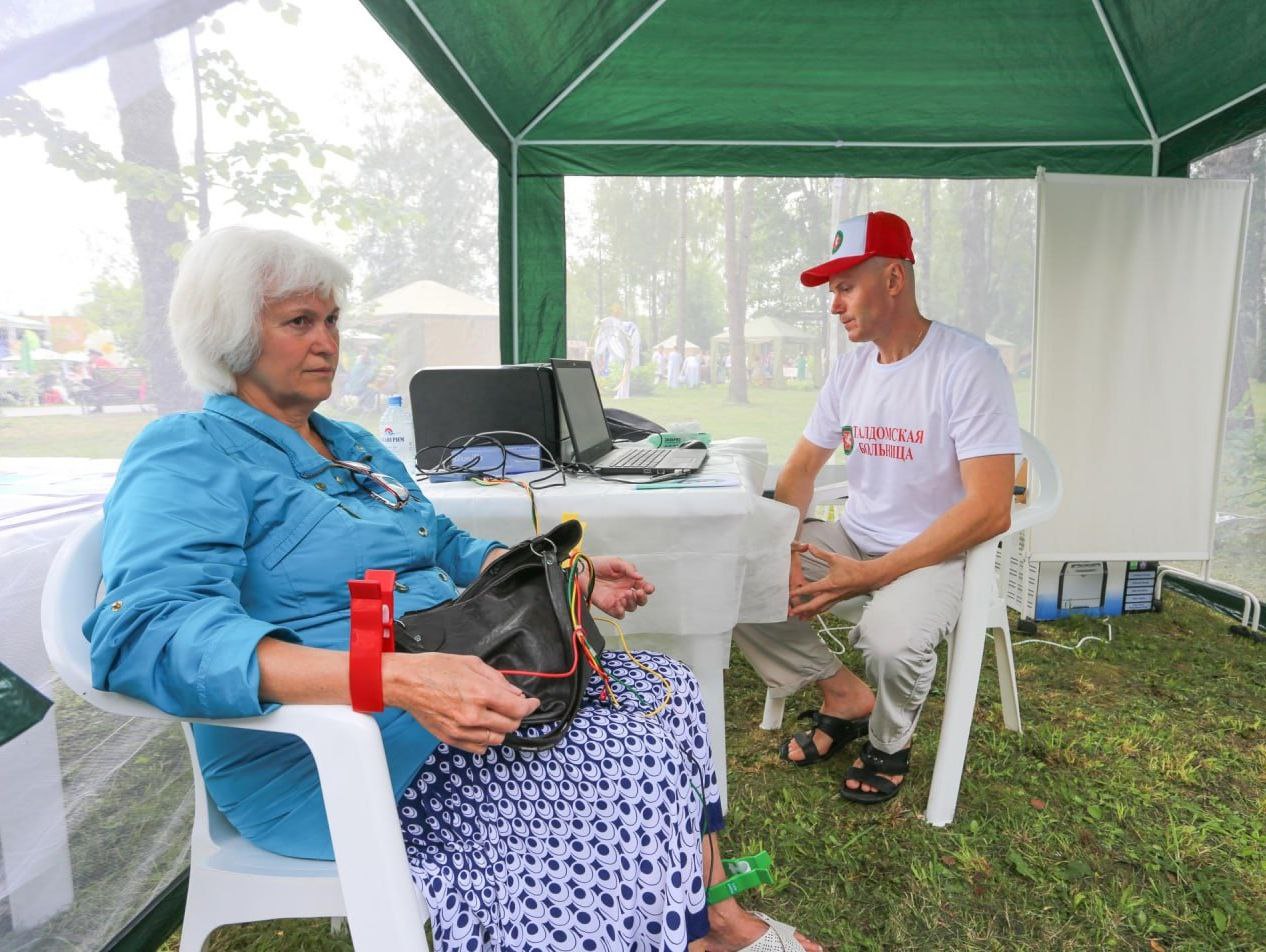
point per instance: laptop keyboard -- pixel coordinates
(640, 458)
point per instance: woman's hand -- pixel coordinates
(620, 587)
(458, 698)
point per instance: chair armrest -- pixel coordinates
(302, 719)
(346, 746)
(360, 806)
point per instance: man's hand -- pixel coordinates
(844, 578)
(620, 587)
(795, 580)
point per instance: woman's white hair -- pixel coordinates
(225, 279)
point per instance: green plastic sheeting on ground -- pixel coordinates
(21, 706)
(888, 88)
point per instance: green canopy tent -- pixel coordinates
(938, 88)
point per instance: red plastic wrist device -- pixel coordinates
(373, 633)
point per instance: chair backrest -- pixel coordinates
(70, 595)
(1045, 485)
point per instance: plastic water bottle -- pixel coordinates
(395, 431)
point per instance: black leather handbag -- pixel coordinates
(516, 617)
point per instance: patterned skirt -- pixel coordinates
(593, 844)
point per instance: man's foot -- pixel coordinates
(875, 776)
(732, 927)
(828, 735)
(844, 696)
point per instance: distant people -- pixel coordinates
(99, 367)
(657, 361)
(358, 379)
(802, 367)
(705, 368)
(690, 368)
(674, 369)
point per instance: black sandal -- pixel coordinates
(874, 763)
(841, 730)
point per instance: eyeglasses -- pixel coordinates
(399, 494)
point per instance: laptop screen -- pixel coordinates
(582, 409)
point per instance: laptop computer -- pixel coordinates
(590, 440)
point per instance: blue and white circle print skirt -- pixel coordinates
(593, 844)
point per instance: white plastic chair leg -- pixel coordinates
(774, 708)
(967, 651)
(194, 931)
(1008, 690)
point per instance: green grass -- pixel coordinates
(101, 435)
(1129, 814)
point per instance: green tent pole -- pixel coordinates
(532, 210)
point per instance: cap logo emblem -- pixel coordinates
(839, 240)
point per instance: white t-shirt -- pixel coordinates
(905, 426)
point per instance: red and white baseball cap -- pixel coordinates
(877, 234)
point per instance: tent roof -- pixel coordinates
(800, 87)
(427, 299)
(760, 330)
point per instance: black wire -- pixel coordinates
(471, 468)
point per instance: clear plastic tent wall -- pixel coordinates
(126, 130)
(306, 116)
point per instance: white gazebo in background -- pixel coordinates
(434, 325)
(765, 333)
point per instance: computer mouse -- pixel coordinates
(694, 445)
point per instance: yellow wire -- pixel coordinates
(502, 480)
(668, 685)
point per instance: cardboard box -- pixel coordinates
(1046, 590)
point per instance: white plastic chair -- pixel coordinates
(231, 880)
(983, 608)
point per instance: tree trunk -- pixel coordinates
(145, 123)
(682, 257)
(737, 237)
(923, 283)
(972, 314)
(199, 141)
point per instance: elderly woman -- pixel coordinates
(229, 537)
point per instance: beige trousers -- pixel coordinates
(897, 636)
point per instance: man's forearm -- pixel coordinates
(958, 529)
(795, 490)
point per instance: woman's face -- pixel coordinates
(298, 355)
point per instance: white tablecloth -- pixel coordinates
(717, 556)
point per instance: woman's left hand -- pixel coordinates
(620, 587)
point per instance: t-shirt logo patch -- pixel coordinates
(846, 440)
(839, 240)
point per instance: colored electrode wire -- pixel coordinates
(575, 604)
(499, 480)
(668, 686)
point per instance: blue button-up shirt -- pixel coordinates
(224, 527)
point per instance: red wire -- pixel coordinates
(577, 642)
(576, 635)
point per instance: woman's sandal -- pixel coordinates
(841, 730)
(779, 937)
(874, 763)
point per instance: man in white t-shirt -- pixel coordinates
(925, 415)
